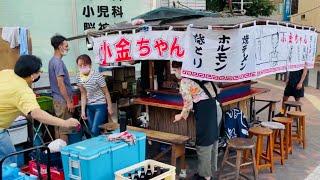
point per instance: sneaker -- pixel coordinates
(183, 174)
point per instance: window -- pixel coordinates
(303, 17)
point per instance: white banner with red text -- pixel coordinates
(150, 45)
(216, 55)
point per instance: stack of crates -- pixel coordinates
(167, 172)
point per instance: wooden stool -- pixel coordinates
(240, 145)
(277, 129)
(287, 122)
(289, 104)
(261, 132)
(300, 136)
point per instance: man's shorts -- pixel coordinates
(61, 111)
(293, 91)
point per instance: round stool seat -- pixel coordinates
(293, 103)
(273, 125)
(284, 120)
(241, 143)
(260, 131)
(296, 113)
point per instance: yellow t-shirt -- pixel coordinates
(16, 98)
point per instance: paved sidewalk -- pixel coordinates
(303, 162)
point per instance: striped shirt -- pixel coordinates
(93, 86)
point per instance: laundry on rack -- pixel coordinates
(23, 41)
(11, 35)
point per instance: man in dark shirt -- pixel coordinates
(294, 86)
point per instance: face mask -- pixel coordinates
(177, 74)
(64, 52)
(85, 70)
(37, 79)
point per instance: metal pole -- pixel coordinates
(241, 5)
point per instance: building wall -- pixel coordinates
(310, 18)
(44, 18)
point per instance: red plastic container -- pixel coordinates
(75, 99)
(56, 174)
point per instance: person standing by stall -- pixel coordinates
(17, 97)
(95, 96)
(60, 85)
(201, 96)
(294, 87)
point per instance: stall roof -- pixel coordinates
(166, 13)
(164, 17)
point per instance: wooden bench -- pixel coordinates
(176, 141)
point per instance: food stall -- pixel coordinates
(161, 97)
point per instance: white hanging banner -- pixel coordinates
(162, 45)
(220, 55)
(216, 55)
(247, 53)
(280, 49)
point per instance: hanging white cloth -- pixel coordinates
(11, 35)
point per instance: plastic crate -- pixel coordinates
(55, 173)
(46, 103)
(168, 175)
(19, 132)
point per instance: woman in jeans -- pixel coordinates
(95, 96)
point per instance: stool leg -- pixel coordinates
(238, 162)
(298, 132)
(287, 140)
(258, 149)
(225, 158)
(285, 110)
(245, 155)
(286, 131)
(270, 149)
(304, 132)
(290, 138)
(255, 170)
(281, 147)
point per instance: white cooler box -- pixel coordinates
(18, 131)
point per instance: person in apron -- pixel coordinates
(201, 97)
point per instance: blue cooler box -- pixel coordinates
(98, 159)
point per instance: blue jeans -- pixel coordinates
(6, 147)
(97, 114)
